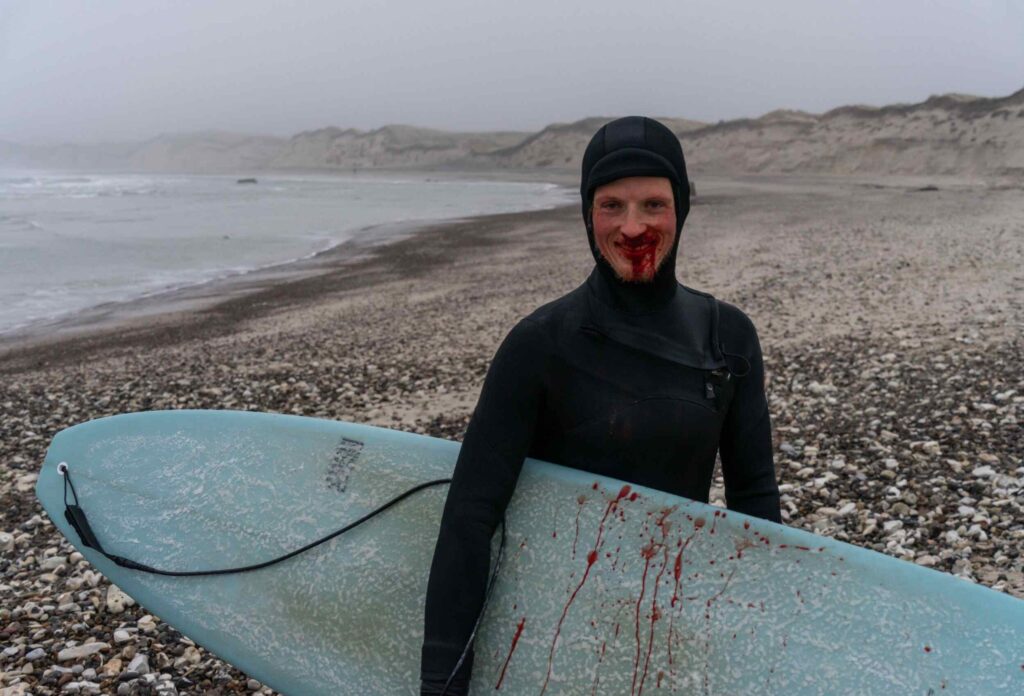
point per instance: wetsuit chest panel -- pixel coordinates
(614, 411)
(592, 377)
(664, 443)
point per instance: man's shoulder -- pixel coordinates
(732, 321)
(556, 311)
(736, 330)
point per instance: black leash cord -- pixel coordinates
(75, 516)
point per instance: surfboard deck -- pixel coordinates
(605, 589)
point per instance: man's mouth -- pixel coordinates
(638, 247)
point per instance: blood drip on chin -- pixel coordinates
(641, 252)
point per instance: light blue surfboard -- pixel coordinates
(605, 589)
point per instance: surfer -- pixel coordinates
(631, 375)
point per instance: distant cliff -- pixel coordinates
(950, 134)
(388, 147)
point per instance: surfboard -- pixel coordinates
(605, 588)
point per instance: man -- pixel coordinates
(631, 376)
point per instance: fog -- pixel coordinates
(118, 70)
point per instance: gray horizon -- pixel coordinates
(117, 72)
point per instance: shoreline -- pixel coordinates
(173, 303)
(212, 308)
(157, 302)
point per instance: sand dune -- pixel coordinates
(950, 135)
(958, 135)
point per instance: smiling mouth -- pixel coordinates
(638, 247)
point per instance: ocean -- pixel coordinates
(69, 242)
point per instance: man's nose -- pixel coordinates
(633, 224)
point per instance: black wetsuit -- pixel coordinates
(639, 382)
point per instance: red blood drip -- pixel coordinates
(591, 559)
(677, 571)
(640, 251)
(634, 496)
(698, 523)
(655, 611)
(746, 524)
(647, 552)
(927, 648)
(515, 641)
(594, 486)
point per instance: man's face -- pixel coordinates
(634, 225)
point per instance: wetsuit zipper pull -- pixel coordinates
(714, 377)
(709, 389)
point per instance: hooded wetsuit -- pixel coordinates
(643, 382)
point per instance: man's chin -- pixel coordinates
(635, 280)
(632, 278)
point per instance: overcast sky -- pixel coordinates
(129, 69)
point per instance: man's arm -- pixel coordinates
(496, 442)
(746, 441)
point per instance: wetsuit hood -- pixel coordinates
(625, 147)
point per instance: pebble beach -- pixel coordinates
(890, 313)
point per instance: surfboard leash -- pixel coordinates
(76, 517)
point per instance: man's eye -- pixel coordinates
(609, 205)
(656, 204)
